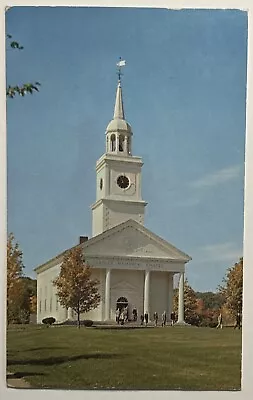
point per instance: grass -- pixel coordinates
(184, 358)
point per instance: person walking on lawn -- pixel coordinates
(219, 322)
(238, 321)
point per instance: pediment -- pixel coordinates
(124, 285)
(133, 240)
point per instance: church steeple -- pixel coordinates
(119, 108)
(118, 187)
(119, 132)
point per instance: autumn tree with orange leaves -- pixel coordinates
(75, 287)
(14, 278)
(231, 290)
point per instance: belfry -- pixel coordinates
(134, 266)
(118, 176)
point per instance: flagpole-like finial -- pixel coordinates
(120, 64)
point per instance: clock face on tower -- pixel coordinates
(123, 181)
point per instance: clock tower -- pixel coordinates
(118, 185)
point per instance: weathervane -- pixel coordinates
(120, 64)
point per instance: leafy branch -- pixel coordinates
(26, 88)
(11, 91)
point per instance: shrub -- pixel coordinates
(87, 322)
(48, 321)
(212, 324)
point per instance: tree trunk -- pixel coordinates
(78, 318)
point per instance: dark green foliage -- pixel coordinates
(29, 289)
(11, 91)
(15, 45)
(25, 88)
(87, 322)
(49, 320)
(211, 300)
(31, 285)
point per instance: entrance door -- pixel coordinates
(122, 302)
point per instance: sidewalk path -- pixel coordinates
(14, 380)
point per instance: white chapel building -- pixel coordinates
(134, 266)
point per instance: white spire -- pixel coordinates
(118, 131)
(119, 108)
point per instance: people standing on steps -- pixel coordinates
(146, 318)
(173, 318)
(155, 318)
(117, 315)
(134, 312)
(164, 318)
(125, 313)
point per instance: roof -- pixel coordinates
(118, 124)
(100, 246)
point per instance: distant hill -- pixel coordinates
(211, 300)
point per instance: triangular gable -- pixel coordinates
(124, 285)
(133, 240)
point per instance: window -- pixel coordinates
(121, 143)
(113, 142)
(40, 306)
(50, 306)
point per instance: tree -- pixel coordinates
(28, 304)
(33, 304)
(190, 304)
(231, 290)
(14, 281)
(75, 288)
(209, 306)
(21, 290)
(25, 88)
(211, 300)
(200, 307)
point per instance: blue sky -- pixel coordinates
(184, 90)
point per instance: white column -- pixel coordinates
(181, 299)
(107, 294)
(69, 315)
(146, 291)
(125, 144)
(170, 296)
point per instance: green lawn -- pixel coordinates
(185, 358)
